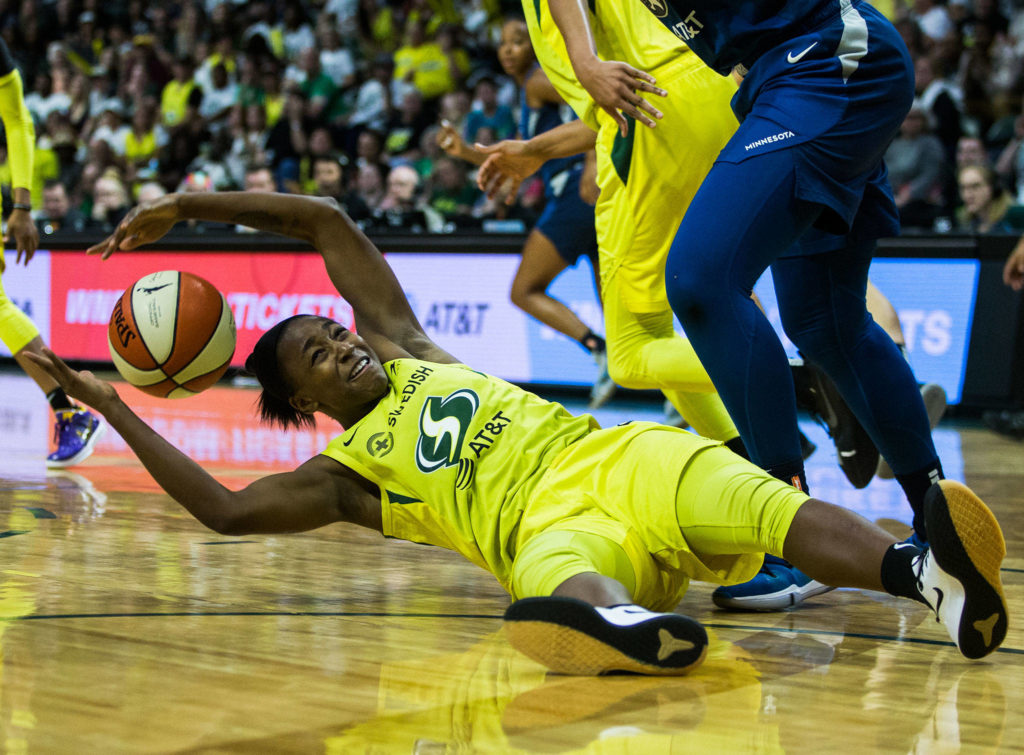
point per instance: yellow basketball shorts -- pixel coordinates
(649, 177)
(653, 507)
(16, 330)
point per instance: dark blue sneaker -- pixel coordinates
(916, 540)
(76, 433)
(777, 586)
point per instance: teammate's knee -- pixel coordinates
(16, 329)
(625, 367)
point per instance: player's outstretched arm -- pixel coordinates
(614, 85)
(319, 492)
(356, 267)
(21, 139)
(512, 161)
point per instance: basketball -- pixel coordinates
(171, 334)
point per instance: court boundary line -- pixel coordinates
(387, 615)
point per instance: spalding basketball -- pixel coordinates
(172, 334)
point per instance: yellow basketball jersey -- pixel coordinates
(456, 454)
(624, 31)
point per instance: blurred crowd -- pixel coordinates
(345, 98)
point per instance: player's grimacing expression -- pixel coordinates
(515, 53)
(328, 364)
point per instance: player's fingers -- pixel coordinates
(103, 247)
(488, 149)
(617, 117)
(645, 86)
(512, 188)
(649, 108)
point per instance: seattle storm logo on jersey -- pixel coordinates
(658, 7)
(443, 426)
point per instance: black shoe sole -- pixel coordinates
(858, 456)
(967, 543)
(571, 637)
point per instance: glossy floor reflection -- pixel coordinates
(127, 627)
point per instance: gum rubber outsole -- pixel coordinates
(967, 543)
(570, 637)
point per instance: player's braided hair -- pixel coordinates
(263, 364)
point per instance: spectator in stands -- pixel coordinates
(218, 98)
(940, 102)
(373, 104)
(370, 149)
(249, 143)
(318, 145)
(335, 59)
(455, 107)
(176, 92)
(258, 177)
(78, 111)
(434, 67)
(917, 170)
(56, 213)
(406, 127)
(364, 197)
(453, 194)
(1010, 163)
(933, 18)
(109, 202)
(985, 201)
(327, 177)
(145, 137)
(970, 150)
(316, 87)
(41, 99)
(297, 33)
(402, 207)
(487, 113)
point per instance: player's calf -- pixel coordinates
(572, 637)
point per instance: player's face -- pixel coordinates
(515, 52)
(331, 366)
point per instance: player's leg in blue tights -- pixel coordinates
(822, 305)
(743, 217)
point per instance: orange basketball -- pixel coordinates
(171, 334)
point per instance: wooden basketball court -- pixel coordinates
(125, 626)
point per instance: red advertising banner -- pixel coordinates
(261, 289)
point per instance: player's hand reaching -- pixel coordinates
(617, 87)
(83, 386)
(25, 234)
(508, 164)
(450, 140)
(143, 225)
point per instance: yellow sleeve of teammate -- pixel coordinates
(21, 134)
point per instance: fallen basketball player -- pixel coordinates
(595, 533)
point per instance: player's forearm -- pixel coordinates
(184, 480)
(566, 140)
(287, 214)
(570, 16)
(21, 135)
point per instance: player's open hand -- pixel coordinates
(23, 230)
(617, 87)
(83, 386)
(143, 225)
(508, 164)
